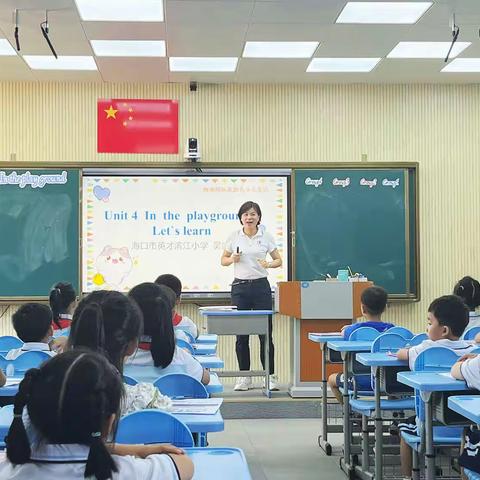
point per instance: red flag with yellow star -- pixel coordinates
(137, 126)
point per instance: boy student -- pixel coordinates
(373, 303)
(33, 324)
(447, 319)
(181, 322)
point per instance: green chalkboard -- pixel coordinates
(361, 218)
(39, 240)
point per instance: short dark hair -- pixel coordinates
(106, 322)
(69, 399)
(246, 207)
(450, 311)
(170, 281)
(32, 321)
(468, 289)
(61, 296)
(374, 300)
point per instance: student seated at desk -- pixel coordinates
(110, 323)
(373, 303)
(468, 289)
(33, 324)
(180, 322)
(72, 405)
(157, 346)
(447, 320)
(63, 300)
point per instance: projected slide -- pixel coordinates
(137, 227)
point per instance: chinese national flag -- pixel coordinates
(137, 126)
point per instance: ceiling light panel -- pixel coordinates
(279, 49)
(427, 49)
(49, 62)
(342, 65)
(6, 48)
(128, 48)
(383, 12)
(120, 10)
(465, 65)
(203, 64)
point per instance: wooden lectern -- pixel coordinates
(316, 307)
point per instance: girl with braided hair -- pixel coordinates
(468, 289)
(69, 407)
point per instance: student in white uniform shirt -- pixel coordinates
(246, 250)
(447, 320)
(180, 322)
(73, 404)
(111, 323)
(63, 300)
(33, 325)
(469, 290)
(157, 348)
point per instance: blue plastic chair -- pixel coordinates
(402, 331)
(471, 333)
(129, 380)
(389, 342)
(153, 426)
(8, 343)
(28, 360)
(183, 344)
(417, 339)
(181, 385)
(363, 334)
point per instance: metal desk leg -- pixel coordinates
(429, 450)
(378, 429)
(267, 358)
(323, 439)
(346, 418)
(365, 446)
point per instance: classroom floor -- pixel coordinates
(280, 449)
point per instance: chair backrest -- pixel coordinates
(129, 380)
(153, 426)
(388, 342)
(191, 338)
(183, 344)
(364, 333)
(8, 343)
(28, 360)
(181, 385)
(471, 333)
(402, 331)
(417, 339)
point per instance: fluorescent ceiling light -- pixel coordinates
(6, 48)
(67, 62)
(120, 10)
(279, 49)
(467, 65)
(203, 64)
(383, 12)
(128, 48)
(342, 64)
(427, 49)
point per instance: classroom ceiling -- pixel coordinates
(220, 28)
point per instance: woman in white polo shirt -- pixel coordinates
(246, 249)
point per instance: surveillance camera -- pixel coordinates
(193, 86)
(192, 150)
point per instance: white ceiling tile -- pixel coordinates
(125, 30)
(14, 68)
(141, 70)
(207, 12)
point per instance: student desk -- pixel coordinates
(10, 390)
(377, 361)
(241, 322)
(209, 361)
(466, 405)
(204, 348)
(196, 423)
(347, 348)
(208, 338)
(322, 339)
(219, 463)
(427, 383)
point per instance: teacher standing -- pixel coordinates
(247, 249)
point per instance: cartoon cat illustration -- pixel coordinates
(114, 265)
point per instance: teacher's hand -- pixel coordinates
(236, 257)
(263, 262)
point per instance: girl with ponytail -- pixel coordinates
(157, 345)
(72, 403)
(63, 300)
(468, 289)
